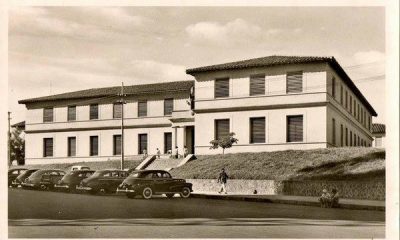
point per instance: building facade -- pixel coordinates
(379, 135)
(271, 103)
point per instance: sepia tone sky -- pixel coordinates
(60, 49)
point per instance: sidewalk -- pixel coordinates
(296, 200)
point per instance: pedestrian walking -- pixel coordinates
(158, 153)
(185, 151)
(222, 179)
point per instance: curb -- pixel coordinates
(284, 201)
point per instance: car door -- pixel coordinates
(158, 182)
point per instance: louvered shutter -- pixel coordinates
(167, 142)
(221, 128)
(94, 145)
(117, 110)
(94, 111)
(48, 147)
(117, 144)
(142, 108)
(142, 143)
(257, 130)
(71, 113)
(48, 115)
(295, 128)
(168, 106)
(71, 146)
(294, 82)
(221, 87)
(257, 85)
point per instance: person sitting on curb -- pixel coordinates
(324, 199)
(334, 199)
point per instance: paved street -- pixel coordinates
(58, 214)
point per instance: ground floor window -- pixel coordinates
(47, 147)
(221, 128)
(142, 143)
(257, 130)
(117, 144)
(71, 146)
(333, 132)
(94, 145)
(294, 128)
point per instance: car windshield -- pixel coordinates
(134, 174)
(39, 173)
(98, 173)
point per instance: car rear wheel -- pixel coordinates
(170, 195)
(130, 195)
(147, 193)
(185, 193)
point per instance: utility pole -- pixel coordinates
(9, 140)
(122, 126)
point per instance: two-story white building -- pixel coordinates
(270, 103)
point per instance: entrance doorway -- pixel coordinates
(189, 131)
(167, 142)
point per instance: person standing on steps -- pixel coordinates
(222, 179)
(185, 152)
(158, 153)
(176, 153)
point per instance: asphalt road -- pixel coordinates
(59, 214)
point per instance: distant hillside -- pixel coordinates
(330, 163)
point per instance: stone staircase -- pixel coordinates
(164, 163)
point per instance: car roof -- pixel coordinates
(18, 168)
(148, 171)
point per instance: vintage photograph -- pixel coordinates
(196, 122)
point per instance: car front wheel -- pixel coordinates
(147, 193)
(185, 193)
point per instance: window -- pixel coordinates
(257, 130)
(345, 100)
(354, 110)
(358, 112)
(294, 129)
(117, 110)
(333, 131)
(341, 95)
(355, 140)
(221, 128)
(142, 143)
(221, 88)
(117, 144)
(351, 104)
(94, 145)
(351, 138)
(294, 82)
(341, 135)
(71, 146)
(142, 108)
(47, 147)
(333, 87)
(257, 85)
(378, 142)
(71, 113)
(364, 119)
(346, 138)
(168, 106)
(94, 111)
(358, 141)
(167, 142)
(48, 115)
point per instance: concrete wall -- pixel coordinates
(314, 129)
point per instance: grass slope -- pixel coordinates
(328, 164)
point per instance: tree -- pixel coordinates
(224, 142)
(17, 145)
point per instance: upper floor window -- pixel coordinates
(48, 115)
(341, 94)
(221, 128)
(71, 113)
(345, 100)
(168, 106)
(257, 85)
(333, 87)
(221, 88)
(94, 111)
(142, 108)
(294, 82)
(354, 109)
(47, 147)
(117, 110)
(351, 104)
(257, 130)
(294, 128)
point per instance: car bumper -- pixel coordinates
(83, 188)
(15, 184)
(28, 185)
(125, 190)
(61, 186)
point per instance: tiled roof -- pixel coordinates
(164, 87)
(284, 60)
(378, 128)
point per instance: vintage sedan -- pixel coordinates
(103, 181)
(154, 182)
(43, 179)
(72, 179)
(21, 178)
(14, 173)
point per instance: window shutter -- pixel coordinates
(94, 111)
(142, 108)
(295, 128)
(71, 113)
(71, 146)
(294, 82)
(168, 106)
(117, 144)
(257, 130)
(48, 147)
(221, 87)
(257, 85)
(94, 145)
(221, 128)
(48, 115)
(117, 110)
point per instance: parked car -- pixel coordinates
(43, 179)
(21, 178)
(154, 182)
(103, 180)
(72, 179)
(78, 167)
(14, 173)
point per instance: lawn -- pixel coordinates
(328, 164)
